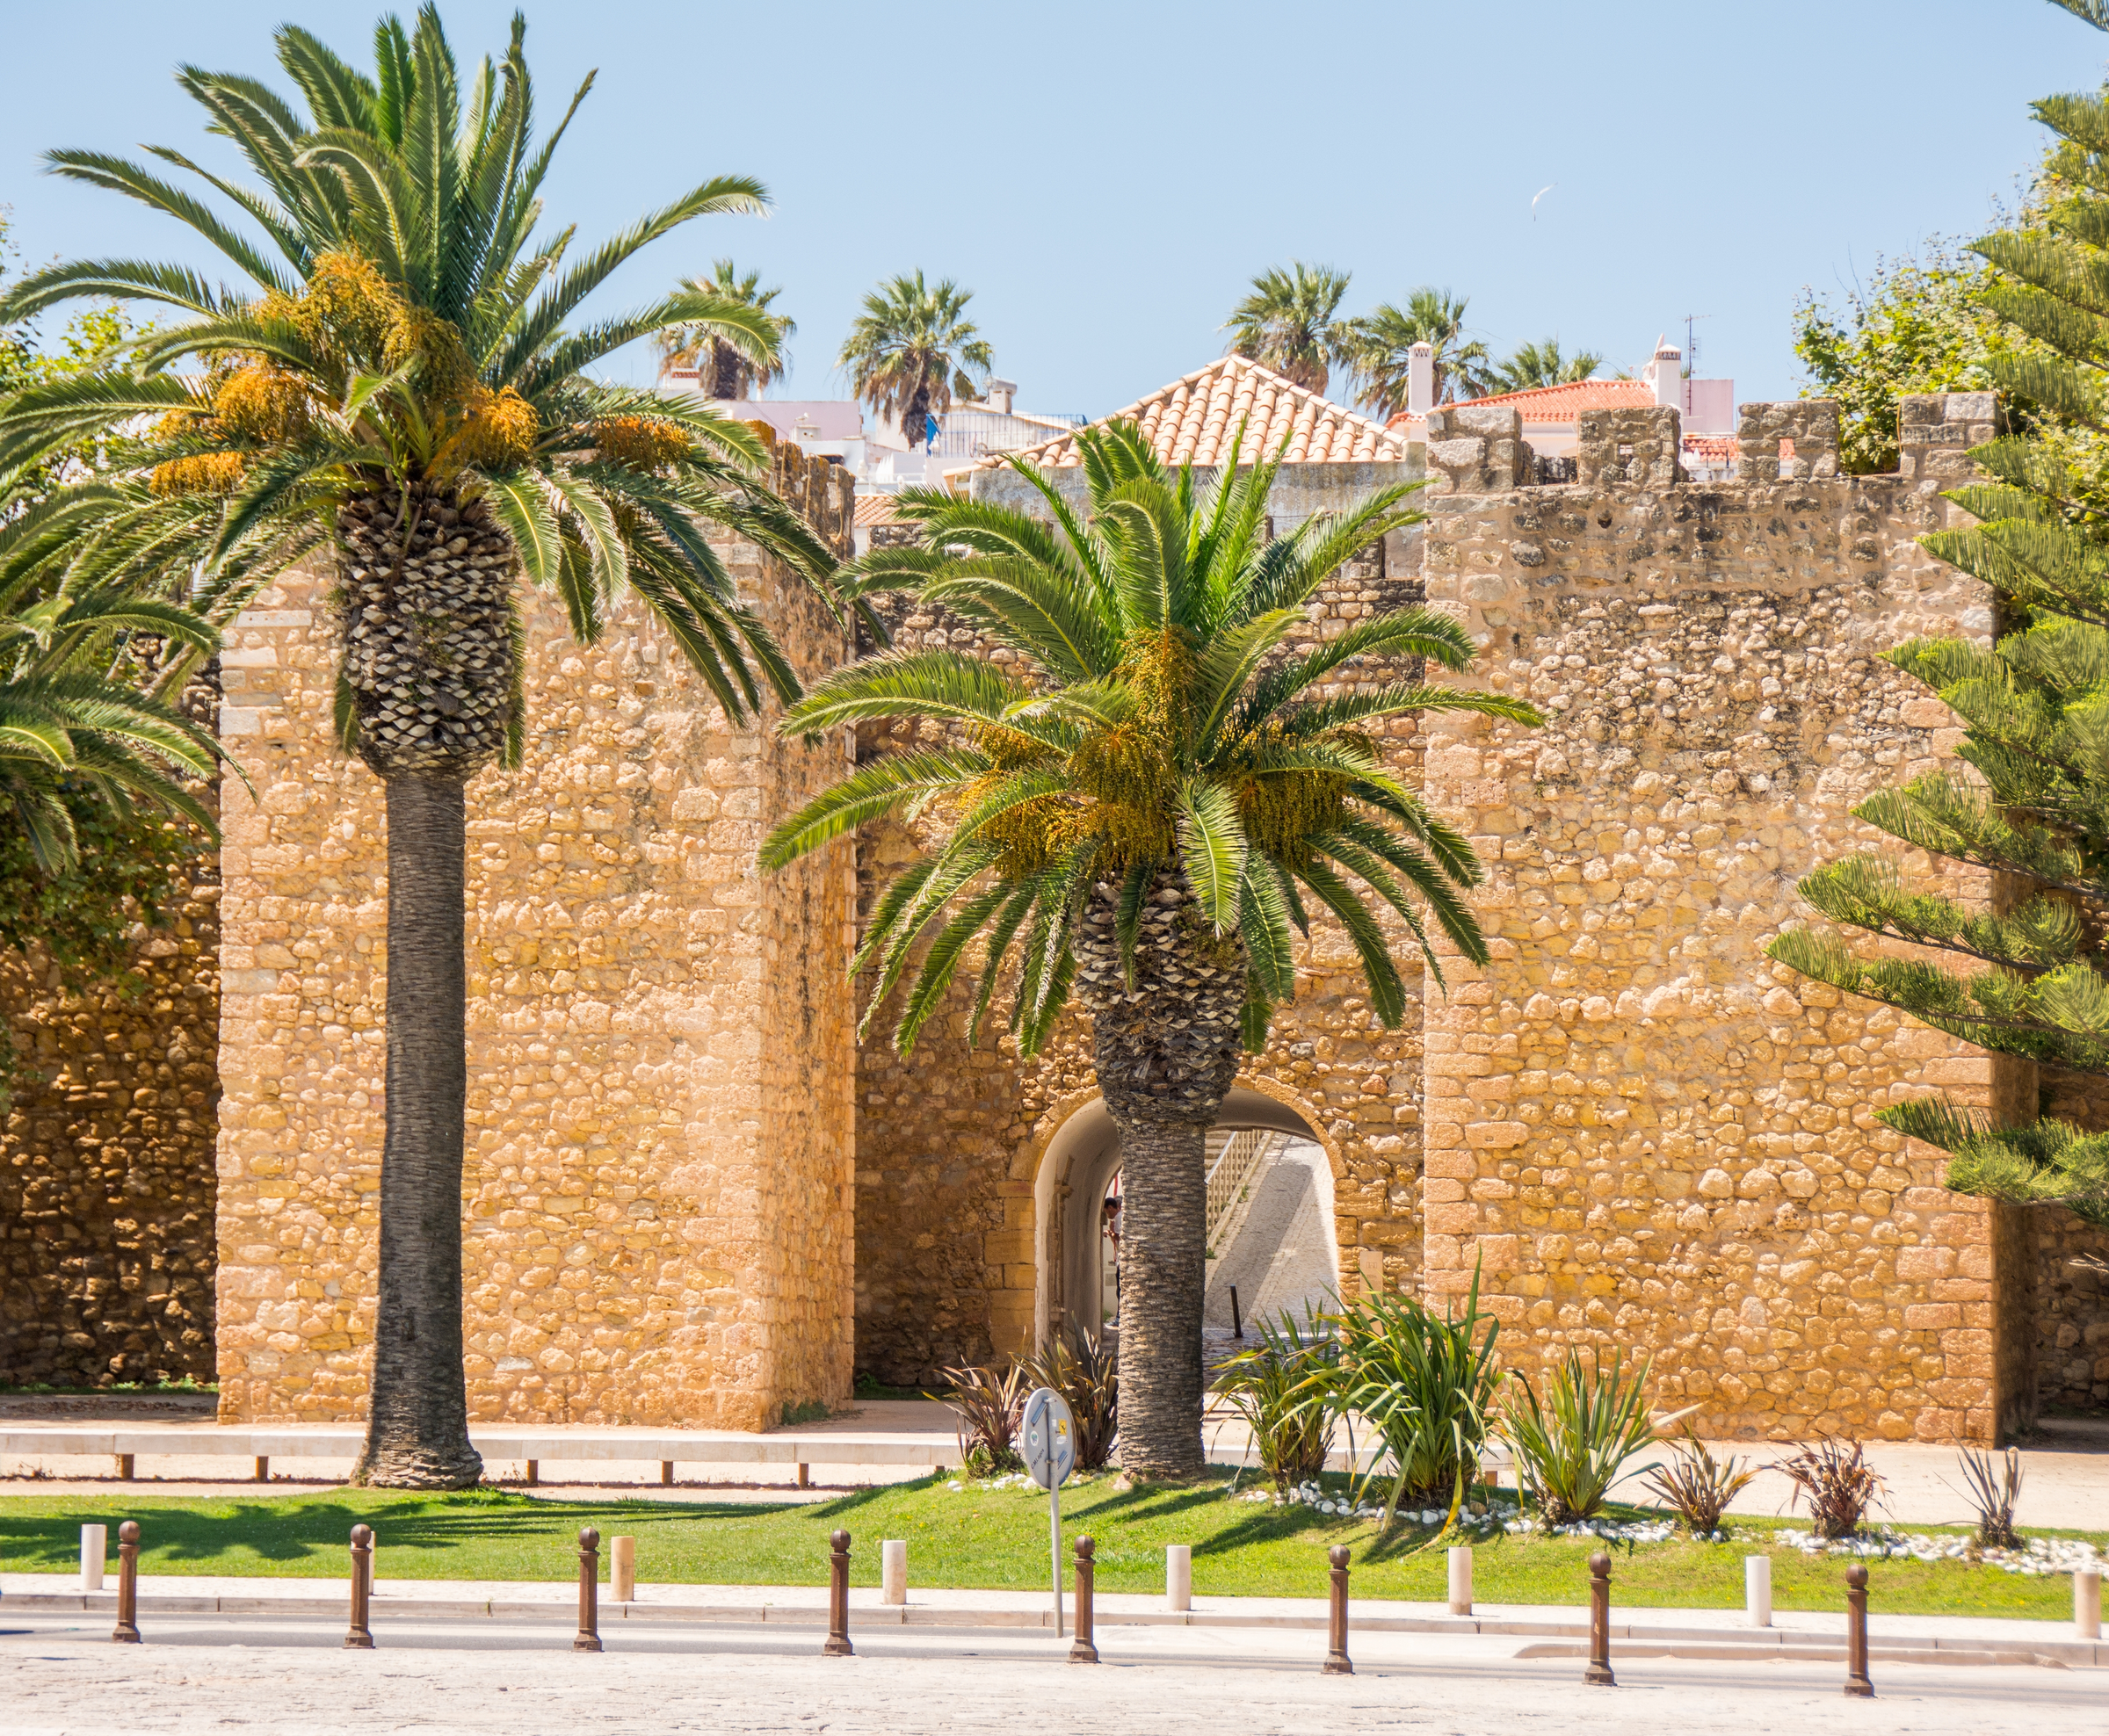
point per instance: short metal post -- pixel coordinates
(1081, 1651)
(1237, 1324)
(263, 1467)
(1857, 1687)
(589, 1591)
(1599, 1673)
(534, 1472)
(802, 1475)
(2087, 1602)
(622, 1568)
(1336, 1636)
(893, 1571)
(838, 1599)
(359, 1637)
(124, 1466)
(126, 1632)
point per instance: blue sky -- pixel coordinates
(1107, 178)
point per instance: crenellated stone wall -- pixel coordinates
(657, 1190)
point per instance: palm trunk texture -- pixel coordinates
(1166, 1052)
(425, 614)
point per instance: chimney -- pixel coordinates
(1666, 373)
(1420, 378)
(1001, 395)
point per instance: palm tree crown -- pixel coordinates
(1383, 341)
(1542, 363)
(1164, 728)
(407, 327)
(913, 348)
(1290, 323)
(728, 362)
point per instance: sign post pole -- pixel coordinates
(1050, 1433)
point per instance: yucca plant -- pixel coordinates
(988, 1406)
(394, 387)
(1426, 1385)
(1080, 1367)
(1573, 1445)
(1994, 1487)
(1138, 810)
(1285, 1390)
(1697, 1486)
(1840, 1484)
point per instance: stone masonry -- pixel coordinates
(658, 1196)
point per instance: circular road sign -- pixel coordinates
(1050, 1437)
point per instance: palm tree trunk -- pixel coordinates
(1163, 1265)
(1165, 1050)
(417, 1428)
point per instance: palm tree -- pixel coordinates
(1142, 816)
(728, 362)
(1383, 340)
(912, 349)
(1542, 363)
(396, 385)
(1291, 323)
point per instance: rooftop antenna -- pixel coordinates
(1691, 344)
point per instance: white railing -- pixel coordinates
(1231, 1173)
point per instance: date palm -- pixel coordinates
(1542, 363)
(729, 364)
(1383, 341)
(1291, 323)
(1142, 816)
(395, 385)
(912, 350)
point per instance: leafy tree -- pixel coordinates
(727, 360)
(1383, 341)
(1291, 323)
(395, 391)
(1542, 363)
(1143, 816)
(913, 348)
(2028, 970)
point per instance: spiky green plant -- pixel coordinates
(1573, 1444)
(1081, 1367)
(2030, 972)
(1382, 351)
(1138, 810)
(1284, 1389)
(394, 388)
(1427, 1384)
(1697, 1486)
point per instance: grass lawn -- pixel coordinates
(976, 1536)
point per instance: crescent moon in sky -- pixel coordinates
(1541, 193)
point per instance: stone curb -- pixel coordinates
(1648, 1640)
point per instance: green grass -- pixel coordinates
(975, 1537)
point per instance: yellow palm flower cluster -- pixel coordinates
(641, 441)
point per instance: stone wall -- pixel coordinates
(106, 1182)
(1641, 1131)
(656, 1196)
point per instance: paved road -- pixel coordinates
(521, 1679)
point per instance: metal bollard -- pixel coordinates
(1757, 1590)
(95, 1550)
(1460, 1579)
(1857, 1685)
(1599, 1673)
(1179, 1576)
(126, 1632)
(622, 1568)
(124, 1467)
(666, 1473)
(1336, 1634)
(589, 1591)
(1081, 1651)
(359, 1637)
(2087, 1602)
(838, 1599)
(534, 1473)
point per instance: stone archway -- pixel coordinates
(1081, 1153)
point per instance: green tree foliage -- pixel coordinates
(1291, 323)
(912, 350)
(1383, 341)
(1158, 732)
(2027, 976)
(731, 360)
(1542, 363)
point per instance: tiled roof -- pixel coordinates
(1553, 403)
(1715, 448)
(874, 510)
(1194, 420)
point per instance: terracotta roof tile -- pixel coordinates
(1193, 421)
(1553, 403)
(874, 510)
